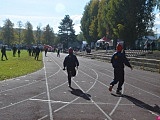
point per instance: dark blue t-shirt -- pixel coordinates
(119, 59)
(70, 61)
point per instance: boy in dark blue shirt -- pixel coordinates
(70, 62)
(118, 61)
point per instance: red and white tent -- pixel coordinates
(106, 40)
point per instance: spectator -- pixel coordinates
(29, 51)
(58, 52)
(14, 51)
(46, 50)
(37, 51)
(3, 51)
(19, 52)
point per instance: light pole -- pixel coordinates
(19, 32)
(156, 33)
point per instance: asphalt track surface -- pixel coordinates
(45, 95)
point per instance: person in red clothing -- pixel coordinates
(118, 61)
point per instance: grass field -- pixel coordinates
(18, 66)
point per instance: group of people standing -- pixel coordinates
(14, 49)
(34, 51)
(118, 61)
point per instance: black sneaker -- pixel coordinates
(118, 92)
(110, 88)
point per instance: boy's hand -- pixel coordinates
(131, 68)
(64, 69)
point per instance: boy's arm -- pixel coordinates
(64, 63)
(126, 62)
(77, 62)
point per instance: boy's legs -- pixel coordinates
(6, 57)
(115, 80)
(121, 81)
(69, 77)
(2, 57)
(37, 56)
(73, 72)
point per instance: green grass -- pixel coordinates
(18, 66)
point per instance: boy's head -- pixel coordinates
(119, 48)
(70, 50)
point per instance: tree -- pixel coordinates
(38, 35)
(130, 19)
(66, 31)
(80, 37)
(8, 32)
(94, 20)
(86, 22)
(118, 19)
(28, 34)
(48, 35)
(103, 25)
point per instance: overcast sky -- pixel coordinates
(43, 12)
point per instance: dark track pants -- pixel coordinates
(118, 78)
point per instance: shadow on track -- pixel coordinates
(80, 93)
(143, 105)
(139, 103)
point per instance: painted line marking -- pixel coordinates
(43, 117)
(48, 94)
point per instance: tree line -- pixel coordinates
(126, 20)
(27, 36)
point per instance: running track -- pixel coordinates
(45, 95)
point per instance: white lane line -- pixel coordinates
(81, 103)
(19, 86)
(143, 90)
(107, 116)
(70, 101)
(143, 81)
(43, 117)
(114, 109)
(30, 97)
(48, 94)
(119, 100)
(20, 101)
(65, 105)
(92, 78)
(18, 78)
(134, 86)
(130, 85)
(30, 83)
(148, 77)
(121, 97)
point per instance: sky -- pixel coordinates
(44, 12)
